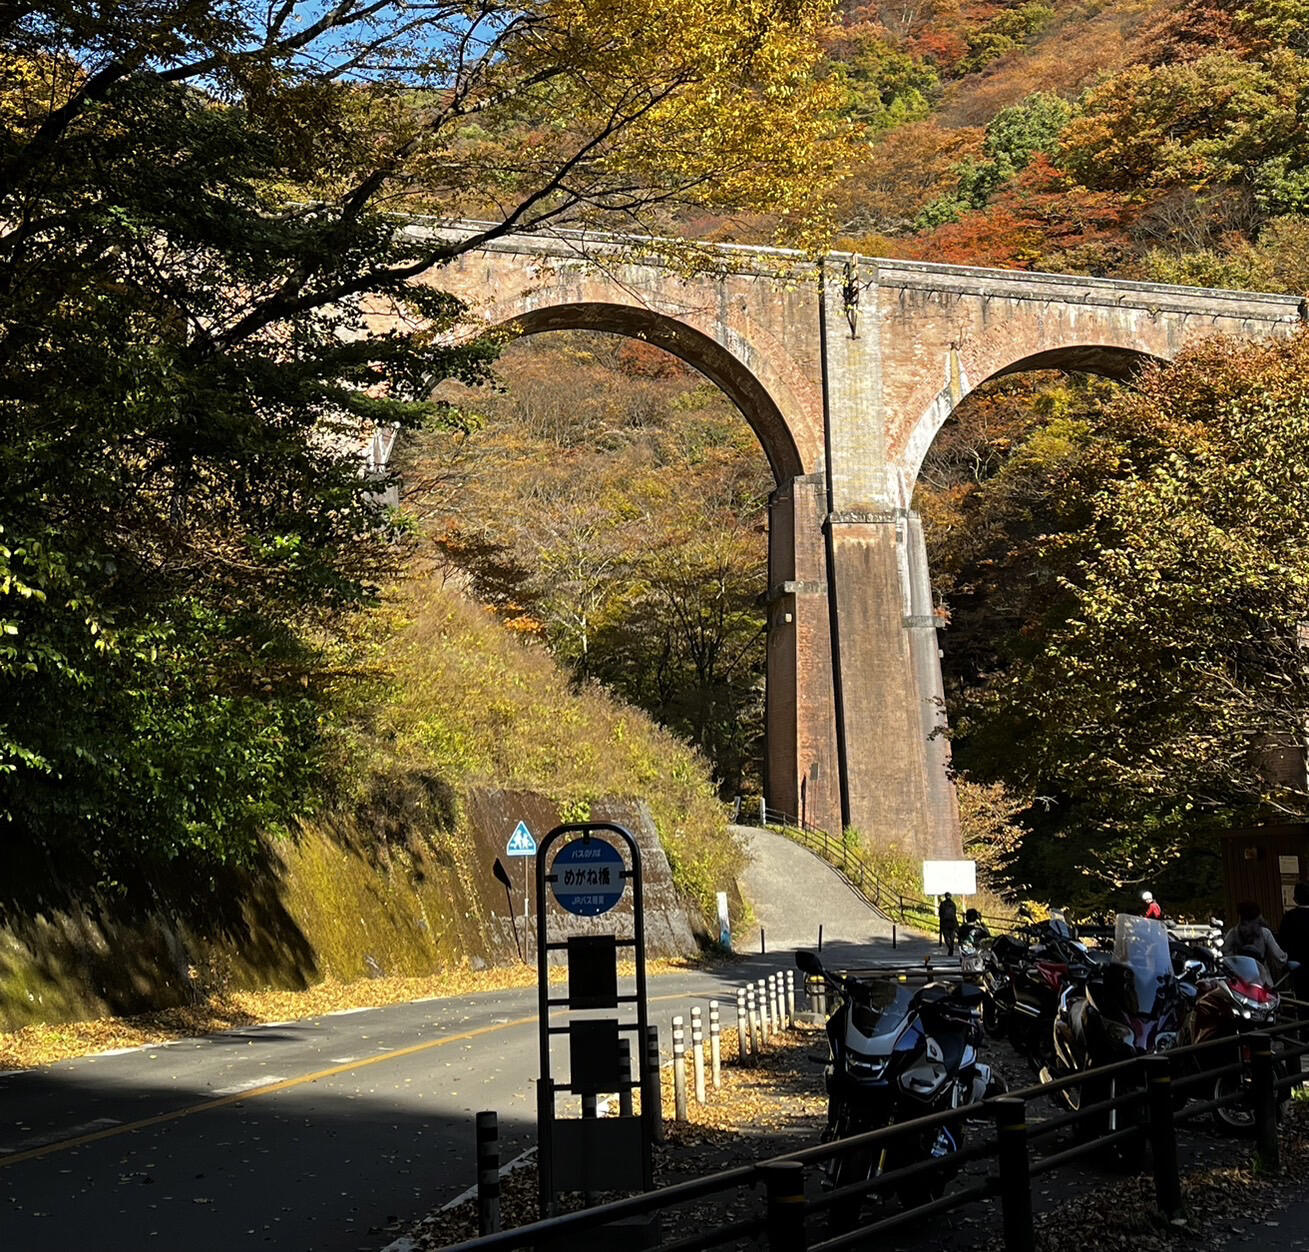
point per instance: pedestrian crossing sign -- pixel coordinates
(521, 842)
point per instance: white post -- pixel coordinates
(697, 1053)
(715, 1045)
(679, 1070)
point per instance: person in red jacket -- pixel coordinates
(1152, 909)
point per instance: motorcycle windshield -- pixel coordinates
(883, 1009)
(1247, 969)
(1141, 951)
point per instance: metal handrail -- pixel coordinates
(1139, 1092)
(822, 841)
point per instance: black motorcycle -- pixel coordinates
(1024, 976)
(1132, 1006)
(895, 1054)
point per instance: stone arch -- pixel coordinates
(704, 354)
(1112, 361)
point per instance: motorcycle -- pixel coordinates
(1237, 997)
(895, 1054)
(1024, 976)
(1132, 1006)
(972, 958)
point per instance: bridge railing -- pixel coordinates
(815, 1199)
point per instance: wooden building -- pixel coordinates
(1263, 863)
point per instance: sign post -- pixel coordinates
(587, 867)
(522, 844)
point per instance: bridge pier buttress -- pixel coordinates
(897, 790)
(801, 767)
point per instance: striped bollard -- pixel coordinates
(715, 1046)
(765, 1026)
(742, 1037)
(697, 1053)
(652, 1094)
(487, 1129)
(755, 1030)
(790, 997)
(774, 1002)
(625, 1077)
(679, 1070)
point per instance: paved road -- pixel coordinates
(320, 1134)
(793, 892)
(311, 1135)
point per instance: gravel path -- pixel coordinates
(794, 892)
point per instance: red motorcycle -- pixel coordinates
(1238, 997)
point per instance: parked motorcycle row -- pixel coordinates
(897, 1053)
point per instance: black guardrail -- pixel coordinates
(1142, 1107)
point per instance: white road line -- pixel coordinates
(518, 1162)
(346, 1012)
(264, 1080)
(57, 1136)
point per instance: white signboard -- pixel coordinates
(1288, 865)
(958, 877)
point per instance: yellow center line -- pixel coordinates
(272, 1088)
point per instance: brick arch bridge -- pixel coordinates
(846, 368)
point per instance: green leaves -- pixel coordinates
(1159, 666)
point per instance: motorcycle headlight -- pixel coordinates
(872, 1068)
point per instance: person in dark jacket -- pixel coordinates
(1293, 935)
(948, 915)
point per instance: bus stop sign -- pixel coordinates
(588, 877)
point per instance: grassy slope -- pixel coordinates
(477, 705)
(389, 880)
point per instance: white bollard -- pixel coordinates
(742, 1029)
(756, 1040)
(679, 1071)
(697, 1053)
(715, 1046)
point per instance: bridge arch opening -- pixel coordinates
(1099, 360)
(703, 354)
(612, 505)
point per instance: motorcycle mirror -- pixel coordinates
(808, 961)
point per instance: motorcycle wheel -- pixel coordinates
(926, 1187)
(849, 1169)
(1128, 1154)
(1236, 1118)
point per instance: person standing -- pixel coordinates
(948, 915)
(1251, 936)
(1293, 935)
(1152, 906)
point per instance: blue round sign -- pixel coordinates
(588, 876)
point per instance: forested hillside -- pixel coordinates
(1161, 142)
(195, 202)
